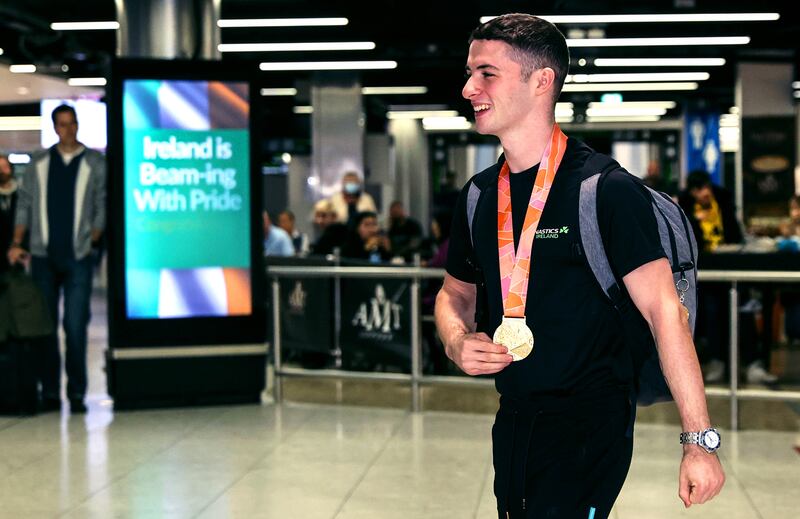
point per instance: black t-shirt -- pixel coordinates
(578, 340)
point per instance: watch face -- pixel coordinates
(711, 439)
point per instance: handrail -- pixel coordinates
(759, 276)
(354, 272)
(416, 378)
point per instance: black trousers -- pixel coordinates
(562, 457)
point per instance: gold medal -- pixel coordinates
(515, 259)
(515, 335)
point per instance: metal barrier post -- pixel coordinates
(734, 355)
(277, 392)
(337, 310)
(416, 341)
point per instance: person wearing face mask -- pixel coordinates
(352, 199)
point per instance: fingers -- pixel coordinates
(706, 491)
(700, 480)
(480, 356)
(684, 492)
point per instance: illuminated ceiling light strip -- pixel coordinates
(624, 119)
(628, 87)
(22, 69)
(654, 76)
(296, 47)
(796, 85)
(303, 109)
(658, 42)
(407, 108)
(797, 94)
(659, 62)
(446, 123)
(394, 90)
(634, 104)
(420, 114)
(327, 65)
(86, 81)
(278, 91)
(564, 105)
(84, 26)
(20, 123)
(1, 51)
(658, 18)
(620, 112)
(282, 22)
(19, 158)
(564, 119)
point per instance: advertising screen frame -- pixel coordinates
(126, 332)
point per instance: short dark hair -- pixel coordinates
(363, 215)
(535, 43)
(62, 109)
(697, 179)
(287, 213)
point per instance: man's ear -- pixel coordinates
(544, 80)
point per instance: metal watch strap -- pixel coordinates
(690, 438)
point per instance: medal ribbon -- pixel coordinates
(515, 266)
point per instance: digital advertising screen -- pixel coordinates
(187, 198)
(184, 252)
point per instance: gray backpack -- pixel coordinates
(678, 242)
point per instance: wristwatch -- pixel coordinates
(708, 439)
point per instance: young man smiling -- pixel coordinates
(562, 440)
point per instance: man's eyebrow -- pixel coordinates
(482, 67)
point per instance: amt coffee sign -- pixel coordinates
(376, 322)
(379, 317)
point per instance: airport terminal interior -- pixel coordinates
(261, 255)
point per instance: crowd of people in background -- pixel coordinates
(349, 222)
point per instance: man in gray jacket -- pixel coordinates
(62, 205)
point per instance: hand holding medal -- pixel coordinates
(513, 332)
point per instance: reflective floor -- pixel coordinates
(365, 458)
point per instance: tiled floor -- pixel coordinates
(304, 460)
(322, 461)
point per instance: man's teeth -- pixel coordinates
(480, 108)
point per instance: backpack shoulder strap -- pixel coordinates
(477, 187)
(594, 171)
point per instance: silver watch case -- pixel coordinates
(708, 439)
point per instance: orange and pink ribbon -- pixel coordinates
(515, 266)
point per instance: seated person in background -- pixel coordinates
(789, 241)
(365, 240)
(405, 233)
(322, 216)
(330, 233)
(299, 239)
(351, 199)
(712, 213)
(276, 241)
